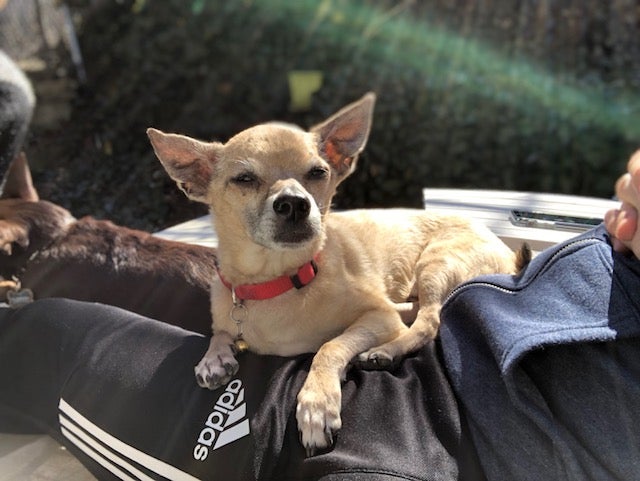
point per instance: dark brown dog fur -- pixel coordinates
(55, 255)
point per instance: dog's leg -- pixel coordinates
(423, 330)
(219, 364)
(374, 360)
(319, 400)
(438, 271)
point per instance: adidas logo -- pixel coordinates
(226, 423)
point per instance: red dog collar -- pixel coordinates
(274, 287)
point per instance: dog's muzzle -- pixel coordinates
(295, 219)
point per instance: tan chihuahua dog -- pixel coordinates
(295, 278)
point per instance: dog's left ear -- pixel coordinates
(188, 161)
(344, 135)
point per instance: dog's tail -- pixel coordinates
(523, 257)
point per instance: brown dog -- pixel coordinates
(54, 255)
(296, 278)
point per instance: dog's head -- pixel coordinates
(27, 223)
(271, 183)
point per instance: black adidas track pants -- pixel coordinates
(119, 391)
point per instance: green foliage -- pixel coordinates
(482, 97)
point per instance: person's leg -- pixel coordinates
(119, 390)
(546, 364)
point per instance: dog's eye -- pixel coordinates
(317, 173)
(246, 178)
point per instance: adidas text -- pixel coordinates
(226, 423)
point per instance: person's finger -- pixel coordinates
(626, 191)
(633, 166)
(627, 223)
(628, 185)
(622, 223)
(611, 220)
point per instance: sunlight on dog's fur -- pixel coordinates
(269, 189)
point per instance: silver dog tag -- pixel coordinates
(19, 298)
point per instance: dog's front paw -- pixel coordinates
(318, 415)
(217, 367)
(374, 359)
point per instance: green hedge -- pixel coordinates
(463, 100)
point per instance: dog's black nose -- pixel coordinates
(292, 207)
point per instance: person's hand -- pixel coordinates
(622, 223)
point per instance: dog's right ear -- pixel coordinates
(188, 161)
(344, 135)
(17, 182)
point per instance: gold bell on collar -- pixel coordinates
(241, 345)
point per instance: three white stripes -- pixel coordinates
(118, 459)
